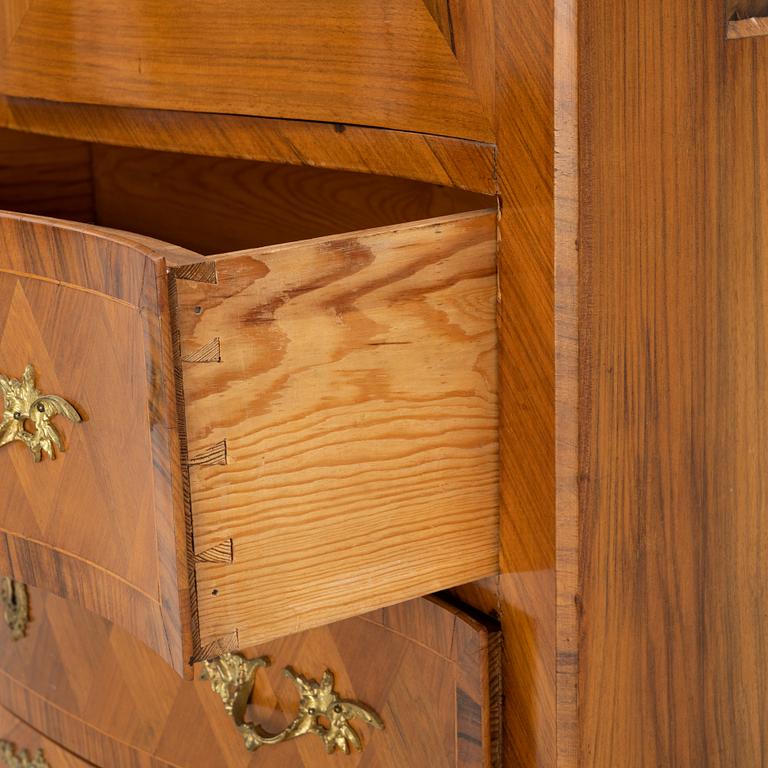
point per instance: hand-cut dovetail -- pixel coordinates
(221, 553)
(218, 647)
(210, 353)
(201, 272)
(216, 454)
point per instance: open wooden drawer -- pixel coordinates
(271, 439)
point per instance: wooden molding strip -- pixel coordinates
(442, 160)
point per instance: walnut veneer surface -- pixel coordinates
(100, 524)
(25, 742)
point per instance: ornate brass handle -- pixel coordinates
(232, 677)
(22, 760)
(15, 600)
(25, 404)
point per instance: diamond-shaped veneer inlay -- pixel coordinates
(100, 523)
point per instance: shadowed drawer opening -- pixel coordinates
(208, 204)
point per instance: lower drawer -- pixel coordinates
(23, 747)
(424, 668)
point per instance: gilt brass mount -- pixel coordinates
(15, 599)
(26, 405)
(22, 759)
(232, 677)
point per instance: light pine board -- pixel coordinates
(354, 385)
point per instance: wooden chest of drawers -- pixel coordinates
(340, 303)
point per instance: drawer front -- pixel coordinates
(23, 747)
(361, 63)
(341, 417)
(91, 519)
(425, 668)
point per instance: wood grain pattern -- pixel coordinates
(568, 267)
(526, 157)
(46, 176)
(11, 16)
(357, 396)
(25, 739)
(673, 534)
(435, 159)
(326, 60)
(441, 13)
(473, 25)
(213, 205)
(98, 525)
(422, 665)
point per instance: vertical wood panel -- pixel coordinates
(524, 55)
(675, 448)
(567, 372)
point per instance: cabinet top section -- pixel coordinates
(407, 65)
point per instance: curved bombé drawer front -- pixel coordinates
(89, 507)
(338, 438)
(424, 670)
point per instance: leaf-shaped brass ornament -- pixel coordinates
(27, 415)
(15, 601)
(321, 710)
(12, 759)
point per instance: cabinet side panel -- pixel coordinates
(674, 534)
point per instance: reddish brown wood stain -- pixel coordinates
(627, 143)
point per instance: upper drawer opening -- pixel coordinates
(208, 204)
